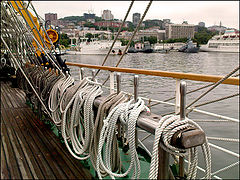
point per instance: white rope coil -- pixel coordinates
(55, 97)
(111, 101)
(78, 118)
(128, 114)
(168, 125)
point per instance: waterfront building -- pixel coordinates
(136, 18)
(201, 24)
(110, 24)
(176, 31)
(107, 15)
(160, 34)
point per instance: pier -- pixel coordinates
(30, 150)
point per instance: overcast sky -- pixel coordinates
(210, 12)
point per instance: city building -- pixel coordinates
(217, 28)
(160, 34)
(201, 24)
(50, 16)
(136, 18)
(107, 15)
(153, 23)
(110, 24)
(176, 31)
(89, 16)
(165, 22)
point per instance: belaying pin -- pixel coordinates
(136, 83)
(81, 73)
(118, 76)
(93, 75)
(118, 79)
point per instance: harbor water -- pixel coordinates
(162, 88)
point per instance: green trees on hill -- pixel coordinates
(203, 35)
(64, 40)
(151, 39)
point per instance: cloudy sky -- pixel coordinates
(210, 12)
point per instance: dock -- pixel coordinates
(30, 150)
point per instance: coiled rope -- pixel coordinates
(128, 114)
(72, 118)
(55, 97)
(168, 125)
(106, 106)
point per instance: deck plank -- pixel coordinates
(5, 174)
(29, 150)
(72, 162)
(25, 142)
(10, 156)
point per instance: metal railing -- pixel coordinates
(178, 76)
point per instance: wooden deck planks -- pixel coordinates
(29, 150)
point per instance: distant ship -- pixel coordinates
(228, 42)
(97, 48)
(189, 47)
(141, 47)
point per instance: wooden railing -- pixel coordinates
(177, 75)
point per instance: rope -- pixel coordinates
(72, 118)
(214, 86)
(223, 139)
(216, 100)
(168, 125)
(55, 97)
(128, 114)
(106, 106)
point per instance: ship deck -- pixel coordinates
(30, 150)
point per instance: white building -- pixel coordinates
(107, 15)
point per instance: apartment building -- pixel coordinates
(176, 31)
(107, 15)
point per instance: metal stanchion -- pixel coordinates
(136, 83)
(182, 117)
(93, 75)
(118, 79)
(81, 73)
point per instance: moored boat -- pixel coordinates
(100, 47)
(189, 47)
(228, 42)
